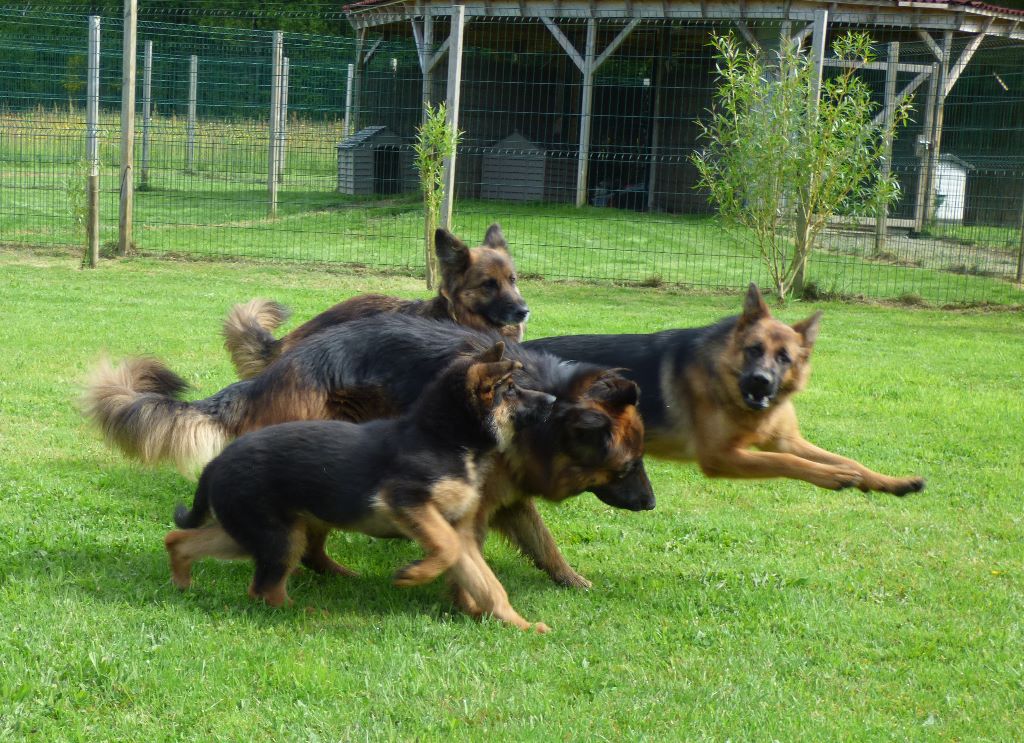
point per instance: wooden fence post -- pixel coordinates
(124, 231)
(891, 68)
(452, 105)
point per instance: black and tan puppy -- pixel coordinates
(378, 367)
(478, 290)
(276, 493)
(710, 394)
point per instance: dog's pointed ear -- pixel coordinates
(754, 306)
(614, 390)
(495, 238)
(451, 251)
(491, 355)
(808, 329)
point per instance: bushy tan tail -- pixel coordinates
(137, 408)
(247, 335)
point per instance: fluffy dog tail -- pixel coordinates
(247, 335)
(137, 408)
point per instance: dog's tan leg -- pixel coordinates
(741, 463)
(522, 525)
(472, 574)
(185, 546)
(316, 557)
(869, 479)
(427, 526)
(270, 581)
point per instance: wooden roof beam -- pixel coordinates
(965, 58)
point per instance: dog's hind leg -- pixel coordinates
(481, 591)
(316, 557)
(185, 546)
(276, 554)
(521, 524)
(425, 525)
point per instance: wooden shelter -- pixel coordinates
(590, 32)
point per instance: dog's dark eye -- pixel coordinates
(512, 279)
(490, 284)
(629, 469)
(753, 352)
(783, 357)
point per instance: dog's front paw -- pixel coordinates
(541, 628)
(905, 485)
(571, 579)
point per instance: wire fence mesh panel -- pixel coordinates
(579, 135)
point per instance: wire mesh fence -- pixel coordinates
(578, 138)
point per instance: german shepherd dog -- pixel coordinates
(712, 393)
(478, 290)
(277, 492)
(377, 367)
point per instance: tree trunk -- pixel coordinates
(801, 252)
(429, 253)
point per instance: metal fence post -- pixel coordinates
(891, 68)
(452, 105)
(147, 110)
(193, 84)
(282, 131)
(92, 121)
(1020, 252)
(277, 44)
(350, 80)
(124, 231)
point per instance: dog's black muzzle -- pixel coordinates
(758, 389)
(632, 492)
(508, 313)
(534, 407)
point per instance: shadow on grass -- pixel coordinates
(85, 543)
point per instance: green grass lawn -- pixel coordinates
(219, 208)
(736, 610)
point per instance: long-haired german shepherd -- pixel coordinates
(277, 493)
(712, 393)
(478, 290)
(377, 367)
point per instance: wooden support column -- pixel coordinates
(924, 145)
(660, 71)
(583, 163)
(891, 68)
(588, 64)
(818, 56)
(818, 60)
(124, 230)
(935, 137)
(424, 37)
(353, 97)
(452, 105)
(92, 150)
